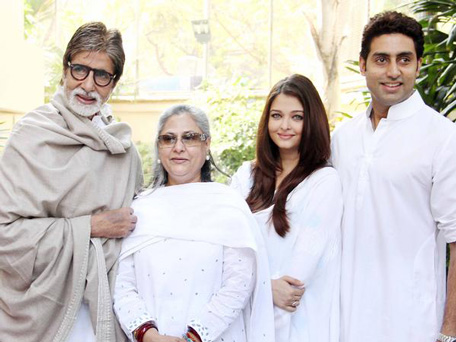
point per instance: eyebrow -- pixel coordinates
(400, 54)
(184, 132)
(293, 111)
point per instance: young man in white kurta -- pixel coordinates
(397, 163)
(399, 185)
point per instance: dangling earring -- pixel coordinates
(159, 161)
(208, 157)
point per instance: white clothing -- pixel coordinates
(193, 260)
(83, 327)
(399, 187)
(309, 252)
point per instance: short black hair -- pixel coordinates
(392, 22)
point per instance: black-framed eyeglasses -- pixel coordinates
(188, 139)
(101, 77)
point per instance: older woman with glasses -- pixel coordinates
(194, 268)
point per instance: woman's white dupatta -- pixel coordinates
(212, 213)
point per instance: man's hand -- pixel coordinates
(152, 335)
(113, 223)
(287, 292)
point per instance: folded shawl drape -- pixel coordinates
(56, 170)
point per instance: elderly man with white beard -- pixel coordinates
(67, 178)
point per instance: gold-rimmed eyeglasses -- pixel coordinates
(188, 139)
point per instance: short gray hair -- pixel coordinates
(160, 176)
(94, 36)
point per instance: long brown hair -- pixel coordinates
(314, 151)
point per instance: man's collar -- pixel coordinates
(402, 109)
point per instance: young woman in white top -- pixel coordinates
(297, 201)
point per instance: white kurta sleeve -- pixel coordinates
(129, 307)
(443, 193)
(225, 306)
(241, 180)
(318, 228)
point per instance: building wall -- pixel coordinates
(142, 115)
(21, 66)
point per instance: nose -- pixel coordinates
(179, 145)
(285, 124)
(88, 84)
(393, 70)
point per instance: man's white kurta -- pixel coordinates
(310, 252)
(399, 186)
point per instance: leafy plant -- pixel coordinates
(234, 111)
(437, 83)
(145, 151)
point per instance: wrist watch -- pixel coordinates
(446, 338)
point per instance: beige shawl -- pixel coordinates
(56, 170)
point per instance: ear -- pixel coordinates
(208, 144)
(362, 66)
(418, 68)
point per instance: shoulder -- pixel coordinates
(34, 126)
(43, 116)
(322, 186)
(438, 129)
(440, 121)
(349, 123)
(241, 181)
(245, 170)
(325, 180)
(326, 176)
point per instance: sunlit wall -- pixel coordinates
(21, 65)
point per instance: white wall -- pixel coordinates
(21, 64)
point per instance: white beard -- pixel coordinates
(80, 108)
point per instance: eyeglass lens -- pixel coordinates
(80, 72)
(188, 139)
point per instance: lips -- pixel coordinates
(391, 85)
(285, 136)
(178, 160)
(86, 99)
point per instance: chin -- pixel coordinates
(84, 110)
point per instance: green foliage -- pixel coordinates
(234, 111)
(437, 83)
(161, 49)
(361, 100)
(145, 151)
(40, 28)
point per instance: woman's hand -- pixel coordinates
(287, 292)
(152, 335)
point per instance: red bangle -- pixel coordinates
(139, 332)
(193, 335)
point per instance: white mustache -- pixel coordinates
(92, 94)
(82, 109)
